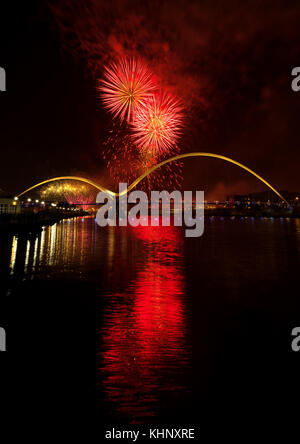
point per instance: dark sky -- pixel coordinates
(229, 62)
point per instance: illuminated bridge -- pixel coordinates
(159, 165)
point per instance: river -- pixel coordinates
(144, 325)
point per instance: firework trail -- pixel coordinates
(125, 88)
(157, 126)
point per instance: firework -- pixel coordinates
(168, 177)
(126, 163)
(157, 126)
(125, 88)
(70, 192)
(120, 154)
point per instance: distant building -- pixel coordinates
(269, 197)
(9, 206)
(292, 197)
(238, 198)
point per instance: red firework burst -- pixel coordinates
(157, 125)
(125, 87)
(126, 163)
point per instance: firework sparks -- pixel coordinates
(126, 162)
(125, 88)
(70, 192)
(157, 126)
(120, 154)
(155, 119)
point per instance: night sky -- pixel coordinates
(230, 63)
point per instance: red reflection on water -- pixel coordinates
(144, 331)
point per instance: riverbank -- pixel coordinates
(33, 222)
(252, 212)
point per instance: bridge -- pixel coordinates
(151, 170)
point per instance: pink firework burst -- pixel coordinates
(157, 126)
(125, 88)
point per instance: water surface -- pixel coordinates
(143, 324)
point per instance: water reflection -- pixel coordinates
(144, 329)
(13, 254)
(58, 249)
(160, 299)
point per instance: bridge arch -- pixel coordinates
(155, 167)
(80, 179)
